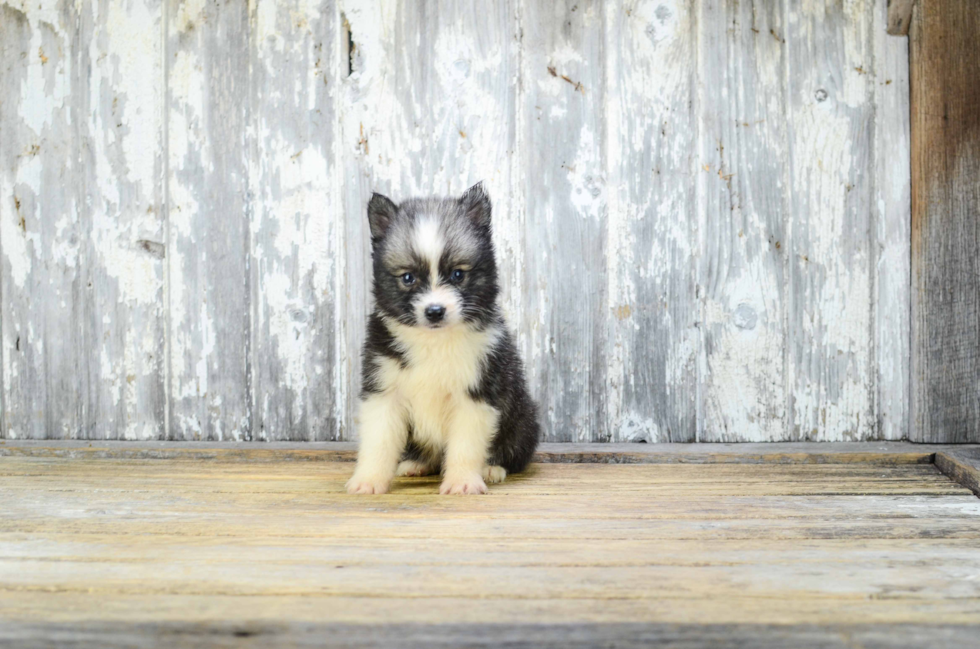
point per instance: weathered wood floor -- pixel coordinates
(884, 551)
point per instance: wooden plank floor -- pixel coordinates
(127, 552)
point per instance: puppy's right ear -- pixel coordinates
(381, 213)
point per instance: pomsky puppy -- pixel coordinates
(443, 386)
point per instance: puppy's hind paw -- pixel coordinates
(494, 474)
(463, 485)
(413, 468)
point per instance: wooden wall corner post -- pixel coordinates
(945, 120)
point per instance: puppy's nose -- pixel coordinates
(435, 312)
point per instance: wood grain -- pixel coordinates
(123, 546)
(945, 81)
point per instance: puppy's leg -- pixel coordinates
(471, 429)
(383, 433)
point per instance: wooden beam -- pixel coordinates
(962, 465)
(899, 16)
(630, 635)
(876, 453)
(945, 119)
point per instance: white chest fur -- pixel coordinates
(442, 366)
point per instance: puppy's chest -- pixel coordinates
(440, 368)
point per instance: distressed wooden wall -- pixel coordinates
(702, 209)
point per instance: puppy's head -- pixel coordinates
(433, 259)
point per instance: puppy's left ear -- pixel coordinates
(476, 205)
(381, 212)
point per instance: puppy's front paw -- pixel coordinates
(494, 474)
(367, 485)
(466, 484)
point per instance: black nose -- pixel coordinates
(435, 312)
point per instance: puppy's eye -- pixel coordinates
(408, 279)
(457, 275)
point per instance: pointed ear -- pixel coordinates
(476, 205)
(381, 212)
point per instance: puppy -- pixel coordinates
(443, 385)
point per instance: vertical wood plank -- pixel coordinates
(296, 221)
(208, 243)
(649, 375)
(742, 177)
(893, 215)
(121, 122)
(83, 289)
(565, 205)
(369, 63)
(830, 107)
(945, 100)
(430, 109)
(40, 232)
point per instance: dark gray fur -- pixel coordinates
(466, 227)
